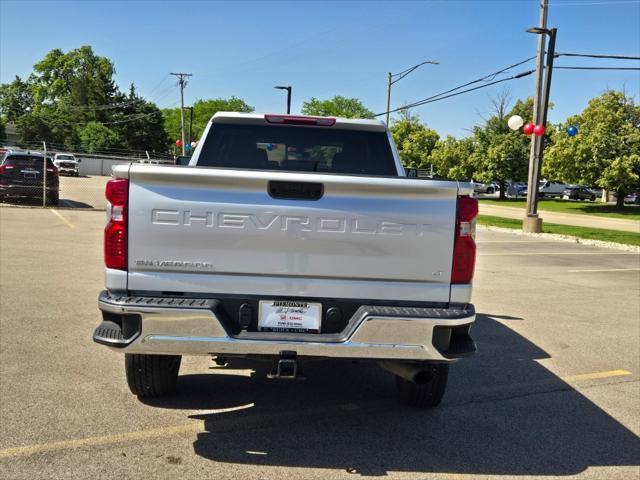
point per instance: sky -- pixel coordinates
(331, 48)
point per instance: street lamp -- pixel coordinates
(400, 76)
(288, 89)
(532, 222)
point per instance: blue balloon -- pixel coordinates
(572, 131)
(187, 146)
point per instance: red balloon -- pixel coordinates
(528, 128)
(538, 130)
(178, 143)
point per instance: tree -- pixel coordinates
(203, 110)
(453, 158)
(338, 106)
(16, 99)
(68, 94)
(95, 137)
(606, 149)
(139, 124)
(414, 140)
(78, 78)
(500, 153)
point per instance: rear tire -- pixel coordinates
(424, 395)
(151, 375)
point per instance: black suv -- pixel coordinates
(578, 193)
(21, 175)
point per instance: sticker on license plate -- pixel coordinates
(289, 316)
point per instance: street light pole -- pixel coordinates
(401, 75)
(288, 89)
(532, 222)
(388, 96)
(190, 122)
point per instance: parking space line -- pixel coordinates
(532, 254)
(101, 440)
(64, 220)
(114, 438)
(596, 375)
(606, 270)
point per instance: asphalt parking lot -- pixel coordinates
(553, 391)
(84, 192)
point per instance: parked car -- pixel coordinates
(516, 190)
(66, 163)
(487, 188)
(633, 198)
(22, 175)
(305, 251)
(547, 188)
(578, 193)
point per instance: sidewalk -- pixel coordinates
(576, 220)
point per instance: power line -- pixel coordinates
(106, 106)
(598, 68)
(431, 99)
(489, 77)
(585, 4)
(596, 55)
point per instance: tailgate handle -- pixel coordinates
(296, 190)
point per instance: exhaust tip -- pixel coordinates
(423, 377)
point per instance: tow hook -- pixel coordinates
(286, 367)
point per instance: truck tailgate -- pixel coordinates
(208, 230)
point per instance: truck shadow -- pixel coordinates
(35, 202)
(503, 414)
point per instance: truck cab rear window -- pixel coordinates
(298, 149)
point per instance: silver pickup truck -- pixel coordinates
(288, 238)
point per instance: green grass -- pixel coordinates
(628, 238)
(630, 212)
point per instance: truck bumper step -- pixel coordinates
(183, 326)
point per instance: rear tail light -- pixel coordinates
(54, 170)
(464, 249)
(115, 233)
(300, 120)
(4, 168)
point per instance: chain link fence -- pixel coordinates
(77, 181)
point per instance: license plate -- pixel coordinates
(289, 316)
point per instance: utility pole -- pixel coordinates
(182, 82)
(533, 223)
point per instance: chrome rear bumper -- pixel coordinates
(179, 326)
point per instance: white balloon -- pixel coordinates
(193, 144)
(515, 122)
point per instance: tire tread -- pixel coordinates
(151, 375)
